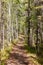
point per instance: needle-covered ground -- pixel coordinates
(19, 55)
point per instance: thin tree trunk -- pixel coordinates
(28, 22)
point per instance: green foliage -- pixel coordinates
(4, 55)
(2, 63)
(30, 49)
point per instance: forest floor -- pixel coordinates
(19, 55)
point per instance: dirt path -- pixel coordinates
(18, 56)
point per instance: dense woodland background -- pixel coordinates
(21, 17)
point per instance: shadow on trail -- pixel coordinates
(21, 59)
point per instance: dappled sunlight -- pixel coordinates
(21, 32)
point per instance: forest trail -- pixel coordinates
(19, 56)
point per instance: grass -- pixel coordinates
(6, 51)
(32, 54)
(30, 49)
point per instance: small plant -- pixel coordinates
(2, 63)
(4, 55)
(15, 41)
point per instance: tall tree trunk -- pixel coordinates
(28, 22)
(0, 25)
(9, 22)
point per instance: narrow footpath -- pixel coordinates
(19, 56)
